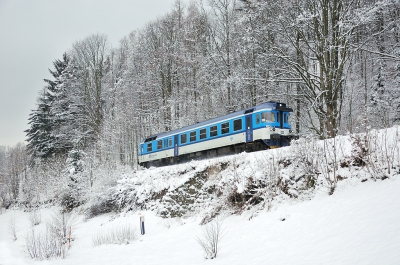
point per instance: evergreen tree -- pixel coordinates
(77, 181)
(40, 134)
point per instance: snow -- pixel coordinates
(358, 224)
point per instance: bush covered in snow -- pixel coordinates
(52, 239)
(211, 238)
(121, 234)
(45, 244)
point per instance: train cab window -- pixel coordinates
(183, 138)
(225, 128)
(149, 147)
(267, 117)
(285, 118)
(258, 118)
(213, 131)
(159, 144)
(170, 141)
(237, 125)
(193, 136)
(203, 133)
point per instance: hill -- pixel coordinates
(316, 202)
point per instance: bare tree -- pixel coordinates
(15, 169)
(211, 237)
(222, 55)
(319, 33)
(90, 56)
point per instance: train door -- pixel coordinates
(176, 148)
(249, 128)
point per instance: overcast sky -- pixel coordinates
(33, 33)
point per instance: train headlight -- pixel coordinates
(290, 131)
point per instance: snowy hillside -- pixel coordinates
(358, 224)
(253, 181)
(316, 202)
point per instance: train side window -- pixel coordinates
(203, 133)
(149, 147)
(183, 138)
(159, 144)
(237, 125)
(225, 128)
(272, 117)
(213, 131)
(258, 118)
(170, 141)
(267, 117)
(193, 136)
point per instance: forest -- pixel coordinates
(335, 62)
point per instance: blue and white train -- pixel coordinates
(257, 128)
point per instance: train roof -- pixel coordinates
(267, 105)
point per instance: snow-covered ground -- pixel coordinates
(294, 221)
(358, 224)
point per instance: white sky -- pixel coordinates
(33, 33)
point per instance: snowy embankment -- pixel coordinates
(317, 202)
(358, 224)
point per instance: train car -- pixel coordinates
(261, 127)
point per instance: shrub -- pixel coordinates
(45, 244)
(106, 206)
(35, 218)
(211, 237)
(123, 234)
(12, 228)
(51, 242)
